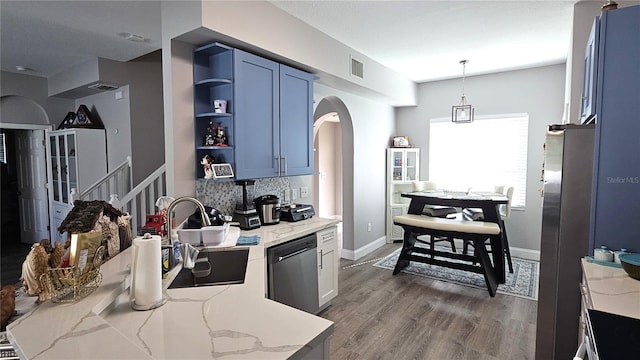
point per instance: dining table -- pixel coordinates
(490, 204)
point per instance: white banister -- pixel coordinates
(118, 181)
(140, 201)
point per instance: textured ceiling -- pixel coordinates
(423, 40)
(52, 36)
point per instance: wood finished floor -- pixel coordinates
(381, 316)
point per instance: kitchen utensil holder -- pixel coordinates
(70, 284)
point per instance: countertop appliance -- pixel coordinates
(296, 212)
(245, 214)
(268, 207)
(568, 172)
(292, 273)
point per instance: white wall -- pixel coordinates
(33, 88)
(538, 92)
(373, 124)
(115, 116)
(290, 38)
(329, 146)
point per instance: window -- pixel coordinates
(487, 152)
(3, 148)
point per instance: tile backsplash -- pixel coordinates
(223, 195)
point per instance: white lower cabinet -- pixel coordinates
(396, 232)
(327, 265)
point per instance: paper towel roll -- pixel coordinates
(146, 271)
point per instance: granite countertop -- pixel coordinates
(611, 289)
(203, 322)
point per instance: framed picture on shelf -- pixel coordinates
(222, 171)
(400, 141)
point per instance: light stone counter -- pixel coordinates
(612, 290)
(224, 321)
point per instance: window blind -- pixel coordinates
(480, 155)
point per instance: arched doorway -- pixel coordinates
(23, 126)
(333, 183)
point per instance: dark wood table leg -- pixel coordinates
(490, 274)
(407, 246)
(492, 214)
(497, 253)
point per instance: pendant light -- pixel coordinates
(462, 113)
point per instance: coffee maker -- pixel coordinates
(245, 214)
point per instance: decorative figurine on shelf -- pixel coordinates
(206, 161)
(220, 138)
(209, 137)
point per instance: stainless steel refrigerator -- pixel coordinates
(568, 173)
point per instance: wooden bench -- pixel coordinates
(476, 231)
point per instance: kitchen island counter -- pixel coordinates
(235, 321)
(611, 290)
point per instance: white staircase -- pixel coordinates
(116, 187)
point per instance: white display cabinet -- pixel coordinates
(77, 158)
(403, 168)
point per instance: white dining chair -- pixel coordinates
(434, 211)
(505, 213)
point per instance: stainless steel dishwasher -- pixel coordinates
(293, 273)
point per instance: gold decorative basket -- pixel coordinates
(71, 284)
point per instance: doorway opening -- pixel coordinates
(333, 157)
(25, 203)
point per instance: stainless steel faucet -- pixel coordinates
(196, 202)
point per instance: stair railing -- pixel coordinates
(118, 181)
(141, 200)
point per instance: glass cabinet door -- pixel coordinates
(55, 166)
(71, 161)
(398, 159)
(411, 170)
(64, 177)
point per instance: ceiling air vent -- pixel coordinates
(104, 87)
(357, 68)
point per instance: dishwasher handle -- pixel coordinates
(292, 248)
(280, 258)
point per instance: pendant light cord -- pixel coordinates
(464, 63)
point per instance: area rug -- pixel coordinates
(522, 283)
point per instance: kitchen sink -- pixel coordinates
(214, 267)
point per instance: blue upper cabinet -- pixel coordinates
(616, 189)
(274, 124)
(296, 121)
(588, 103)
(257, 116)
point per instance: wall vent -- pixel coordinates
(357, 68)
(103, 87)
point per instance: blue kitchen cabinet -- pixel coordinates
(274, 124)
(588, 101)
(616, 185)
(213, 80)
(296, 121)
(257, 114)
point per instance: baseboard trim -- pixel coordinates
(360, 252)
(525, 253)
(355, 255)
